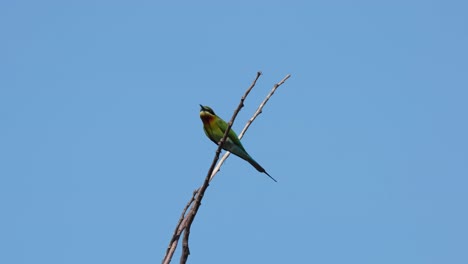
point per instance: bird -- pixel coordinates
(215, 127)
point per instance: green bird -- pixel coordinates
(215, 127)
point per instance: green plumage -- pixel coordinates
(215, 127)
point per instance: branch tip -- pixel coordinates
(186, 219)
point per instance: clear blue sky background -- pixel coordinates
(101, 144)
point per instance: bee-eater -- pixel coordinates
(215, 127)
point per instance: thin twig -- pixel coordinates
(249, 122)
(175, 237)
(186, 220)
(193, 211)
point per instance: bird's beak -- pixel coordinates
(202, 108)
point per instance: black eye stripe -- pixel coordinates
(207, 110)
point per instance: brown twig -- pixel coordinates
(178, 230)
(186, 220)
(249, 122)
(193, 211)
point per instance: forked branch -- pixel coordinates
(247, 125)
(186, 219)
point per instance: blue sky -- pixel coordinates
(101, 145)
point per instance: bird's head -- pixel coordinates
(207, 114)
(206, 111)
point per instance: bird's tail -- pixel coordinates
(258, 167)
(241, 153)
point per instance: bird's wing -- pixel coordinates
(209, 134)
(232, 136)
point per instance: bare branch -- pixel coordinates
(193, 211)
(178, 230)
(247, 125)
(186, 219)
